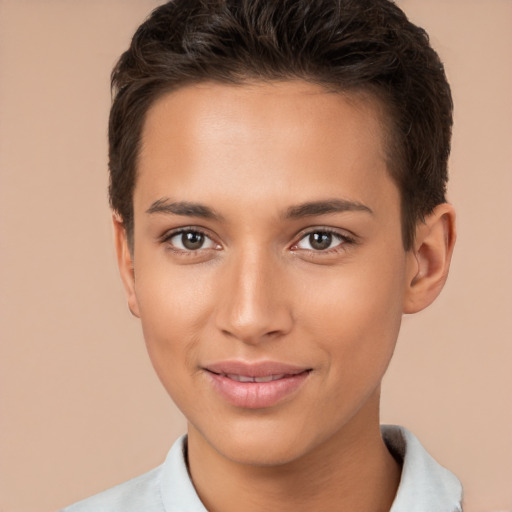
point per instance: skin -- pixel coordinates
(259, 290)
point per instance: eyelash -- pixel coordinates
(166, 238)
(345, 240)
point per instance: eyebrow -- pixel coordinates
(312, 208)
(190, 209)
(309, 209)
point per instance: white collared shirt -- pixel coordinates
(425, 485)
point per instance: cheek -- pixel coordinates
(169, 294)
(168, 314)
(174, 305)
(355, 316)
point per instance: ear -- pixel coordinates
(125, 263)
(429, 259)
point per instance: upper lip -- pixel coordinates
(256, 369)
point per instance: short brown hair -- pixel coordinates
(346, 45)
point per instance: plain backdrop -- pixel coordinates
(80, 407)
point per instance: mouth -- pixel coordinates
(258, 385)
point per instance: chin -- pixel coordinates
(262, 454)
(261, 443)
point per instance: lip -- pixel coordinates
(238, 383)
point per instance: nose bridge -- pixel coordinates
(253, 308)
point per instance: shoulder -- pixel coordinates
(167, 488)
(140, 493)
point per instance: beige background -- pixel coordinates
(80, 408)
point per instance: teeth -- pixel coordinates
(245, 378)
(239, 378)
(269, 378)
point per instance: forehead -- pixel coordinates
(244, 109)
(250, 136)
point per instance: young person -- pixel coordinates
(278, 174)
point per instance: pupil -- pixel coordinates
(320, 241)
(192, 240)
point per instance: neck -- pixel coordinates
(352, 470)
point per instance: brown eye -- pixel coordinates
(191, 240)
(320, 241)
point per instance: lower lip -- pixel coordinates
(256, 395)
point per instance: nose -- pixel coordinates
(254, 305)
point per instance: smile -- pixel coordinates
(255, 386)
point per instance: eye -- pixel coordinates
(321, 241)
(190, 240)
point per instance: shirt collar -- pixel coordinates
(178, 492)
(425, 485)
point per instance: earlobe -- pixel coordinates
(125, 263)
(429, 259)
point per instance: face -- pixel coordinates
(269, 271)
